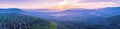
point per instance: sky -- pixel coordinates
(60, 4)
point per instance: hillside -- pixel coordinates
(10, 10)
(114, 22)
(21, 21)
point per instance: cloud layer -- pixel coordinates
(49, 3)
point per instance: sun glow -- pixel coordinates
(61, 5)
(66, 4)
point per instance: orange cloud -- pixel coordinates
(61, 6)
(91, 5)
(64, 4)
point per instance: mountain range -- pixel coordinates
(78, 13)
(10, 10)
(76, 18)
(14, 18)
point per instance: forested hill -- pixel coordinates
(21, 21)
(10, 10)
(114, 22)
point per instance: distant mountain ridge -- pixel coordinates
(73, 14)
(101, 11)
(10, 10)
(78, 13)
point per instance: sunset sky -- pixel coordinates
(60, 4)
